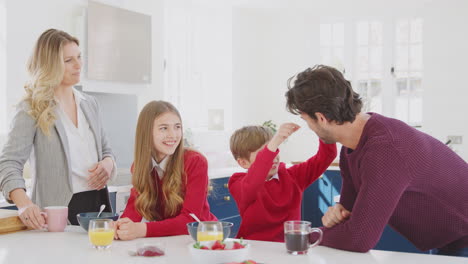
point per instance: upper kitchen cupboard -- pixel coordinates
(119, 44)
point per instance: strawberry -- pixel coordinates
(249, 262)
(150, 251)
(205, 247)
(218, 245)
(237, 245)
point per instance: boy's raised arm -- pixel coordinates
(307, 172)
(245, 188)
(285, 130)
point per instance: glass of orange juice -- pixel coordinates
(209, 231)
(101, 233)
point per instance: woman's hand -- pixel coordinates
(31, 216)
(100, 174)
(29, 213)
(128, 230)
(335, 215)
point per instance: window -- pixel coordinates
(3, 101)
(384, 62)
(332, 45)
(408, 71)
(369, 64)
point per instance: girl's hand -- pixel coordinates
(100, 174)
(31, 216)
(128, 230)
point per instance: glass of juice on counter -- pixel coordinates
(101, 233)
(209, 231)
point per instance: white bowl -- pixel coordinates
(205, 256)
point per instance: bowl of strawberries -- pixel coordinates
(229, 250)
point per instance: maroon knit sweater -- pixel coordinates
(406, 178)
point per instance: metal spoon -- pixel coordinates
(195, 217)
(103, 206)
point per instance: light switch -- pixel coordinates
(215, 119)
(455, 139)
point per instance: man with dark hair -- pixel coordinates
(392, 173)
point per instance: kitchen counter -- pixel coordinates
(73, 246)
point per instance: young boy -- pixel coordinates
(269, 193)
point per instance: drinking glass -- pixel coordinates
(296, 236)
(101, 233)
(209, 231)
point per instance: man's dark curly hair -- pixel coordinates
(323, 89)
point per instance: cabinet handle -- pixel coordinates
(227, 198)
(226, 185)
(210, 188)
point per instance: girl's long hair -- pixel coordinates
(144, 183)
(46, 69)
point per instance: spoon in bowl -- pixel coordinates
(103, 206)
(195, 217)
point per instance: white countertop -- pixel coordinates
(73, 246)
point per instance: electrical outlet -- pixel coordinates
(455, 139)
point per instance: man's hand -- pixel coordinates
(281, 135)
(100, 174)
(335, 215)
(128, 230)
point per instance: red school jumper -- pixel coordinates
(265, 205)
(196, 170)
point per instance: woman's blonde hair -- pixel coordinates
(46, 69)
(144, 183)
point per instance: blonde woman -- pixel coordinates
(59, 130)
(169, 181)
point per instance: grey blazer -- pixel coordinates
(49, 155)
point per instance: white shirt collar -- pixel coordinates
(78, 95)
(274, 177)
(161, 166)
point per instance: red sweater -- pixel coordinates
(196, 169)
(408, 179)
(265, 205)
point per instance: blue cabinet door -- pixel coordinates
(391, 240)
(222, 205)
(319, 196)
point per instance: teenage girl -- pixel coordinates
(169, 181)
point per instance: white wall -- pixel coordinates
(275, 43)
(271, 41)
(445, 61)
(270, 46)
(3, 102)
(27, 19)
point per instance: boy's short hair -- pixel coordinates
(248, 139)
